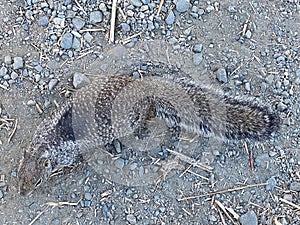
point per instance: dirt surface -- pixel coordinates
(249, 49)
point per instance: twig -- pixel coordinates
(4, 87)
(113, 22)
(222, 191)
(250, 153)
(289, 203)
(92, 30)
(57, 204)
(126, 40)
(13, 131)
(223, 208)
(38, 216)
(159, 7)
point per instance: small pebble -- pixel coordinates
(88, 196)
(170, 18)
(249, 218)
(78, 23)
(7, 59)
(67, 41)
(131, 219)
(3, 71)
(197, 48)
(298, 73)
(222, 75)
(43, 21)
(52, 84)
(197, 59)
(136, 3)
(18, 63)
(38, 68)
(13, 75)
(119, 163)
(1, 194)
(96, 17)
(247, 86)
(248, 34)
(271, 184)
(182, 5)
(80, 80)
(295, 186)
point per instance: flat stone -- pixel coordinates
(197, 48)
(18, 63)
(96, 17)
(80, 80)
(88, 37)
(13, 75)
(76, 43)
(67, 41)
(131, 219)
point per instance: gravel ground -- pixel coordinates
(49, 48)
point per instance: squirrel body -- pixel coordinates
(115, 106)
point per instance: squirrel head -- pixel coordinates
(32, 171)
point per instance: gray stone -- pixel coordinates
(222, 75)
(249, 218)
(295, 186)
(102, 7)
(170, 18)
(18, 63)
(197, 59)
(88, 37)
(80, 80)
(52, 84)
(76, 43)
(7, 60)
(43, 21)
(136, 3)
(182, 5)
(298, 73)
(197, 48)
(13, 75)
(119, 163)
(67, 41)
(78, 23)
(281, 106)
(247, 86)
(3, 71)
(248, 34)
(131, 219)
(270, 79)
(1, 194)
(96, 17)
(38, 68)
(88, 196)
(271, 184)
(125, 27)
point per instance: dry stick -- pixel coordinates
(290, 203)
(250, 153)
(56, 204)
(159, 7)
(222, 191)
(13, 131)
(223, 208)
(113, 22)
(38, 216)
(4, 87)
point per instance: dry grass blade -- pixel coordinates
(38, 216)
(113, 22)
(13, 131)
(290, 203)
(58, 204)
(222, 191)
(223, 208)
